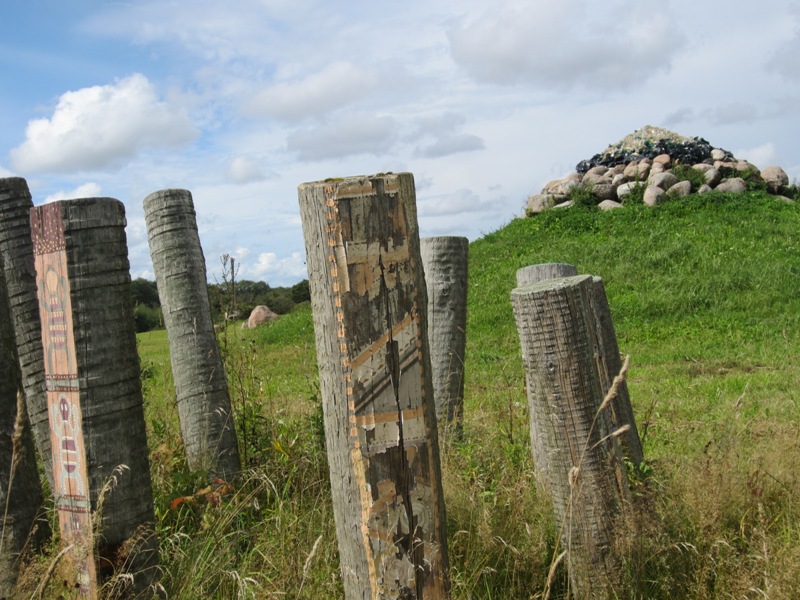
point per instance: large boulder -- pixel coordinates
(734, 185)
(776, 179)
(261, 314)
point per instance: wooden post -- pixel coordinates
(201, 385)
(17, 250)
(445, 261)
(98, 438)
(369, 303)
(21, 497)
(586, 476)
(608, 365)
(543, 272)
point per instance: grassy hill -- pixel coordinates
(704, 296)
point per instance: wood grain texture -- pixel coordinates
(93, 386)
(586, 477)
(16, 248)
(369, 303)
(543, 272)
(201, 385)
(445, 261)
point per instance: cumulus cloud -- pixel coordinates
(5, 172)
(786, 60)
(459, 202)
(102, 126)
(354, 134)
(337, 85)
(761, 156)
(444, 129)
(244, 170)
(731, 114)
(271, 267)
(450, 144)
(566, 43)
(87, 190)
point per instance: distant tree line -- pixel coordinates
(237, 300)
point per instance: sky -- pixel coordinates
(484, 101)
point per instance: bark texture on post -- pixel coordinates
(100, 454)
(20, 489)
(609, 365)
(201, 385)
(586, 476)
(543, 272)
(369, 303)
(445, 261)
(17, 250)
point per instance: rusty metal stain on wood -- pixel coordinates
(70, 477)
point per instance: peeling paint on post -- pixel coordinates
(369, 303)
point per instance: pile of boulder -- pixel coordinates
(643, 165)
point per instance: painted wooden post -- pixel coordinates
(608, 365)
(17, 250)
(98, 438)
(369, 303)
(543, 272)
(587, 479)
(201, 385)
(445, 261)
(21, 498)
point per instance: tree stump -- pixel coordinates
(21, 497)
(16, 248)
(100, 455)
(445, 261)
(586, 477)
(543, 272)
(369, 303)
(201, 385)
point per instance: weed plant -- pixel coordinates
(703, 292)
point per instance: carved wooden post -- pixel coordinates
(445, 261)
(20, 489)
(608, 365)
(586, 476)
(17, 250)
(543, 272)
(369, 303)
(100, 456)
(201, 385)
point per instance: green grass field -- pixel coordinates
(704, 296)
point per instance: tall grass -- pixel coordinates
(703, 293)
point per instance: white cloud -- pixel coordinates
(270, 267)
(786, 59)
(761, 156)
(243, 169)
(731, 114)
(565, 44)
(450, 144)
(337, 85)
(5, 172)
(459, 202)
(353, 134)
(102, 126)
(87, 190)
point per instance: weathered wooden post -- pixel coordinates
(369, 303)
(445, 261)
(21, 496)
(17, 250)
(586, 477)
(608, 364)
(543, 272)
(201, 385)
(100, 459)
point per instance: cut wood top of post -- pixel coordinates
(550, 284)
(359, 186)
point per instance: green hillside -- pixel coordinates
(704, 295)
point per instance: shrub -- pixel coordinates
(690, 174)
(582, 195)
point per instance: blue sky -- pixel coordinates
(484, 101)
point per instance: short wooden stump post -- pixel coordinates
(369, 303)
(445, 260)
(543, 272)
(94, 394)
(201, 385)
(585, 474)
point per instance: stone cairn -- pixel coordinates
(655, 164)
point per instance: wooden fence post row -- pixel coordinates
(572, 433)
(445, 260)
(369, 304)
(97, 427)
(201, 385)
